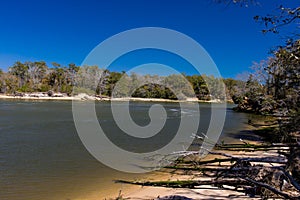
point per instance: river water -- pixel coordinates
(42, 157)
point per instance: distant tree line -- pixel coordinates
(37, 77)
(28, 77)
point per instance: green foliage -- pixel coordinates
(25, 88)
(154, 91)
(20, 70)
(118, 85)
(78, 90)
(44, 88)
(66, 89)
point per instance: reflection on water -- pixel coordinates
(42, 157)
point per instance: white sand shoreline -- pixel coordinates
(84, 97)
(37, 98)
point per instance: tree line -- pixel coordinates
(37, 76)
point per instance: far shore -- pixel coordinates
(3, 96)
(85, 97)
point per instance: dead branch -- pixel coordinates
(291, 179)
(274, 190)
(264, 159)
(186, 184)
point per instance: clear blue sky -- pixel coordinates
(66, 31)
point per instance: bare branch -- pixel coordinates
(274, 190)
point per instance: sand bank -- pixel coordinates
(38, 98)
(84, 97)
(203, 192)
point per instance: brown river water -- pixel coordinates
(42, 157)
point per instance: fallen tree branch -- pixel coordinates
(291, 179)
(272, 189)
(218, 169)
(186, 184)
(248, 145)
(264, 159)
(216, 160)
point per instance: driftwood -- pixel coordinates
(274, 190)
(267, 175)
(255, 147)
(292, 180)
(186, 184)
(216, 160)
(248, 145)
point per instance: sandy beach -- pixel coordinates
(203, 192)
(38, 98)
(84, 97)
(207, 192)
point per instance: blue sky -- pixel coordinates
(66, 31)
